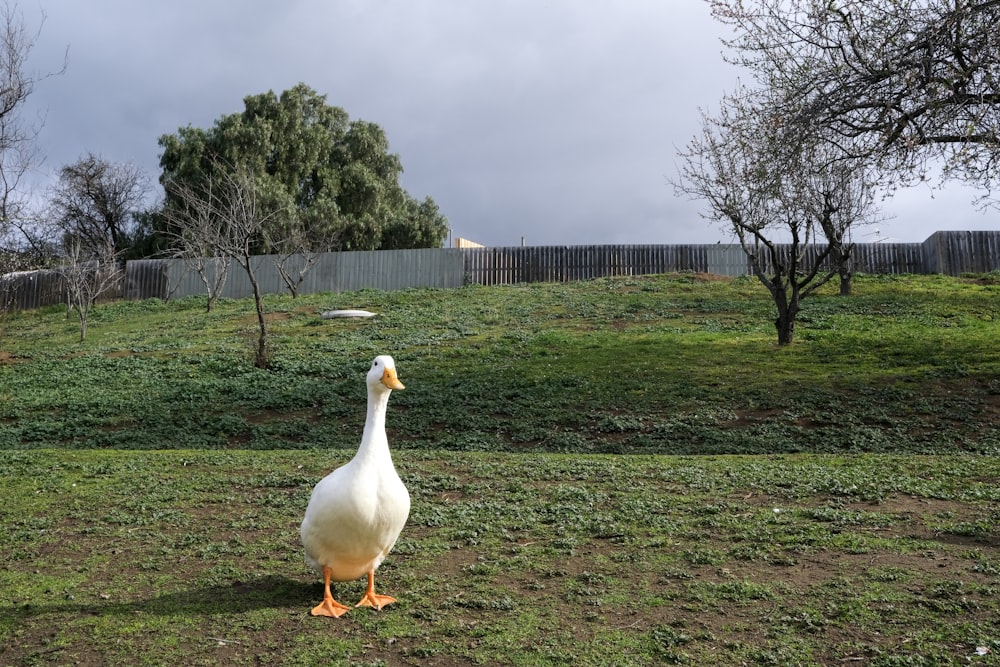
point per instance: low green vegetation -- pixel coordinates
(671, 364)
(624, 471)
(192, 557)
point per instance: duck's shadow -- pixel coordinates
(267, 592)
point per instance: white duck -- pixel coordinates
(356, 512)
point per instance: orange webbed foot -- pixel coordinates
(371, 598)
(375, 601)
(330, 607)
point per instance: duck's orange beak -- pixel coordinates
(390, 380)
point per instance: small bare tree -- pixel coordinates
(229, 216)
(786, 197)
(293, 265)
(213, 272)
(297, 253)
(198, 237)
(87, 276)
(20, 244)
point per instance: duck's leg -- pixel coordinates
(371, 599)
(329, 606)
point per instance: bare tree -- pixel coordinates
(294, 261)
(912, 84)
(298, 252)
(20, 244)
(21, 247)
(88, 275)
(230, 216)
(21, 241)
(838, 193)
(213, 272)
(787, 200)
(96, 202)
(198, 237)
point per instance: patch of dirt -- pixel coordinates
(748, 417)
(115, 354)
(712, 278)
(268, 416)
(992, 402)
(984, 279)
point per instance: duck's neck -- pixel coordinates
(373, 440)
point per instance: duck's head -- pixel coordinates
(383, 374)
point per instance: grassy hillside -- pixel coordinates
(669, 364)
(545, 546)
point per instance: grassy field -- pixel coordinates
(665, 365)
(621, 471)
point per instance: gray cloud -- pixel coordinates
(554, 120)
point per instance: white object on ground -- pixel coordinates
(330, 314)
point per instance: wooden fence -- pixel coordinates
(949, 253)
(493, 266)
(955, 253)
(496, 266)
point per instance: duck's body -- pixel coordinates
(355, 513)
(353, 519)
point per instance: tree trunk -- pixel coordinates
(785, 322)
(261, 360)
(262, 356)
(845, 267)
(845, 282)
(83, 323)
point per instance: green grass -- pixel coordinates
(614, 472)
(669, 364)
(192, 557)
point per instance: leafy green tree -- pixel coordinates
(327, 178)
(416, 226)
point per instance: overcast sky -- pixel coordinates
(553, 120)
